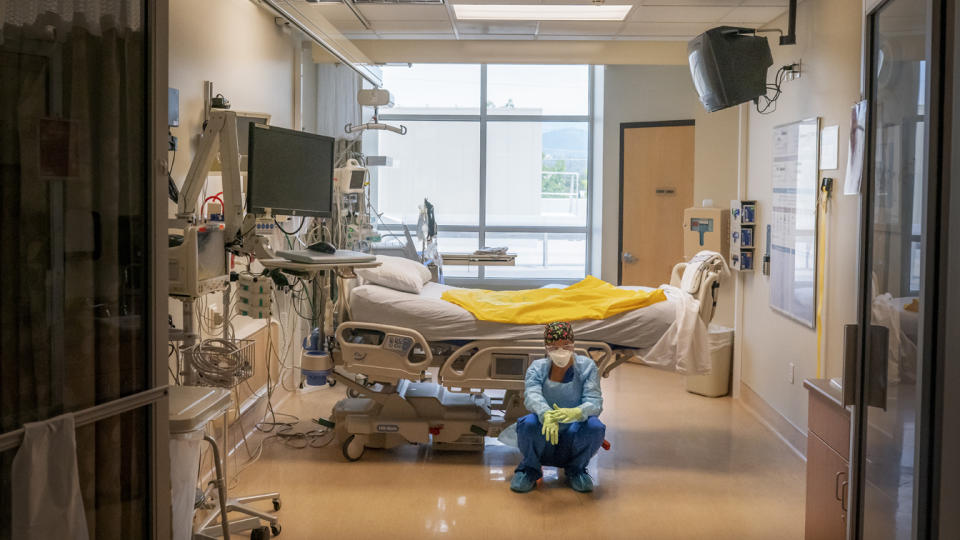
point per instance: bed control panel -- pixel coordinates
(510, 366)
(398, 344)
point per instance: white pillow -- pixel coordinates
(396, 273)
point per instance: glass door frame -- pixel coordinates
(933, 271)
(157, 26)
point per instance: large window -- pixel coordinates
(503, 154)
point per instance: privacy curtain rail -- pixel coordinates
(280, 7)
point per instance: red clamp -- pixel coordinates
(435, 430)
(606, 445)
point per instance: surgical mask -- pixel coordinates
(560, 357)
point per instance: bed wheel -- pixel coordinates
(331, 382)
(353, 448)
(351, 393)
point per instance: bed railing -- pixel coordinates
(384, 353)
(502, 364)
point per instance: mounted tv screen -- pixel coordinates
(729, 66)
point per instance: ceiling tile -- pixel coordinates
(779, 3)
(758, 15)
(570, 2)
(412, 27)
(678, 13)
(416, 37)
(452, 2)
(510, 28)
(400, 12)
(339, 16)
(579, 28)
(676, 30)
(707, 3)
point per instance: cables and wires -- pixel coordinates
(174, 350)
(288, 233)
(766, 103)
(172, 190)
(222, 362)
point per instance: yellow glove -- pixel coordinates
(550, 429)
(566, 416)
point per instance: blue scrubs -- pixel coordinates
(578, 441)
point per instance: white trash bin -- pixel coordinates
(717, 382)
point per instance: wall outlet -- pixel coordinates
(791, 373)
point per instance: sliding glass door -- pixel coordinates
(898, 334)
(82, 293)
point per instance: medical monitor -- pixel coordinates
(357, 176)
(729, 66)
(290, 172)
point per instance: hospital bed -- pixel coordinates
(394, 340)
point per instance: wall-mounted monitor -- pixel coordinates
(729, 66)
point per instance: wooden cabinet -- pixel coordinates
(828, 467)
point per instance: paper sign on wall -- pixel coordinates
(829, 148)
(793, 220)
(858, 128)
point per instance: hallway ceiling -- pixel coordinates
(433, 19)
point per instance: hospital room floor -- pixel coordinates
(681, 466)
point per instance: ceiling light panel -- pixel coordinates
(539, 12)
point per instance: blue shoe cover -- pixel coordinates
(522, 482)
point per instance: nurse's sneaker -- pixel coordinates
(522, 482)
(581, 482)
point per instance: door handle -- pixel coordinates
(851, 353)
(843, 496)
(837, 484)
(875, 367)
(629, 258)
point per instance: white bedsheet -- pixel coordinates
(685, 346)
(439, 320)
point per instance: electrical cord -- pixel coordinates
(302, 221)
(778, 80)
(218, 364)
(174, 350)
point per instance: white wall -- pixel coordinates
(658, 93)
(829, 44)
(236, 45)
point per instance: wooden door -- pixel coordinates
(656, 185)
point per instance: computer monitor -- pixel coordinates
(290, 172)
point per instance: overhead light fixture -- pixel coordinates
(540, 12)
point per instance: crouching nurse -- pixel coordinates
(562, 392)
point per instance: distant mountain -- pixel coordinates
(565, 141)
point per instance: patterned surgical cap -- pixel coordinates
(557, 331)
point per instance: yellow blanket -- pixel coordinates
(591, 298)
